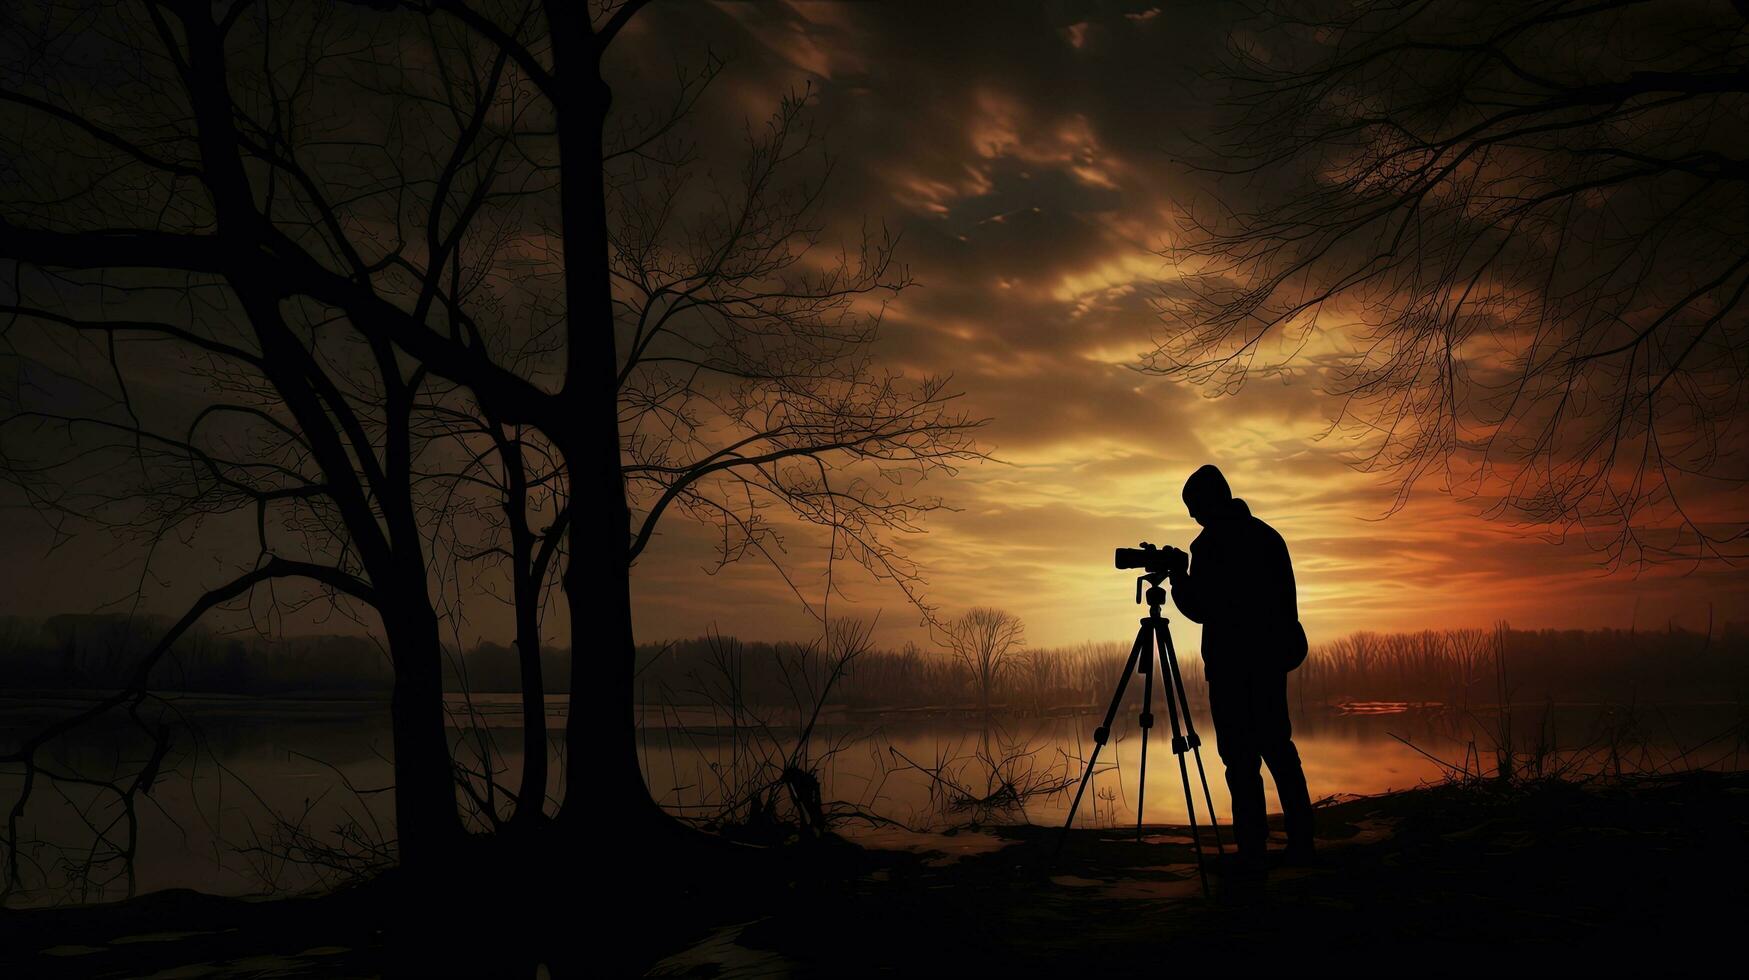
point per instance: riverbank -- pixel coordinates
(1630, 875)
(1644, 874)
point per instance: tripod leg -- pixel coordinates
(1145, 667)
(1196, 835)
(1214, 822)
(1178, 749)
(1176, 681)
(1100, 734)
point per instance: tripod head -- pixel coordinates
(1156, 595)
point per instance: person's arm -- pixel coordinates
(1189, 588)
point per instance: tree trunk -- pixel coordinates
(526, 577)
(532, 793)
(426, 821)
(602, 774)
(601, 737)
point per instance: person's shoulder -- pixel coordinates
(1220, 537)
(1264, 526)
(1266, 534)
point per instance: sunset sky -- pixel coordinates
(1029, 157)
(1026, 155)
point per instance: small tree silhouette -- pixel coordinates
(984, 640)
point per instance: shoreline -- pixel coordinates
(1448, 878)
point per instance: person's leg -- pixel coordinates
(1230, 705)
(1296, 800)
(1278, 750)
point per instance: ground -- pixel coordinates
(1608, 876)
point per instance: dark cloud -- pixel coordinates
(1027, 153)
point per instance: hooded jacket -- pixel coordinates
(1240, 587)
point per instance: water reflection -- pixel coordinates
(897, 768)
(315, 765)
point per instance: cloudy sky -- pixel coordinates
(1026, 152)
(1030, 157)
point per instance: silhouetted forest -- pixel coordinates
(1449, 666)
(98, 652)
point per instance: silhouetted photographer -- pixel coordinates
(1239, 584)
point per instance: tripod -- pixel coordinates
(1153, 635)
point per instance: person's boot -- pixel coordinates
(1300, 854)
(1244, 863)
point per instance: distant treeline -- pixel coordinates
(1458, 667)
(102, 652)
(720, 670)
(1461, 667)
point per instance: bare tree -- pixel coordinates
(747, 379)
(1514, 237)
(984, 641)
(707, 368)
(474, 281)
(217, 280)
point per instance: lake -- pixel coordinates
(256, 785)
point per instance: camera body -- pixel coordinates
(1155, 562)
